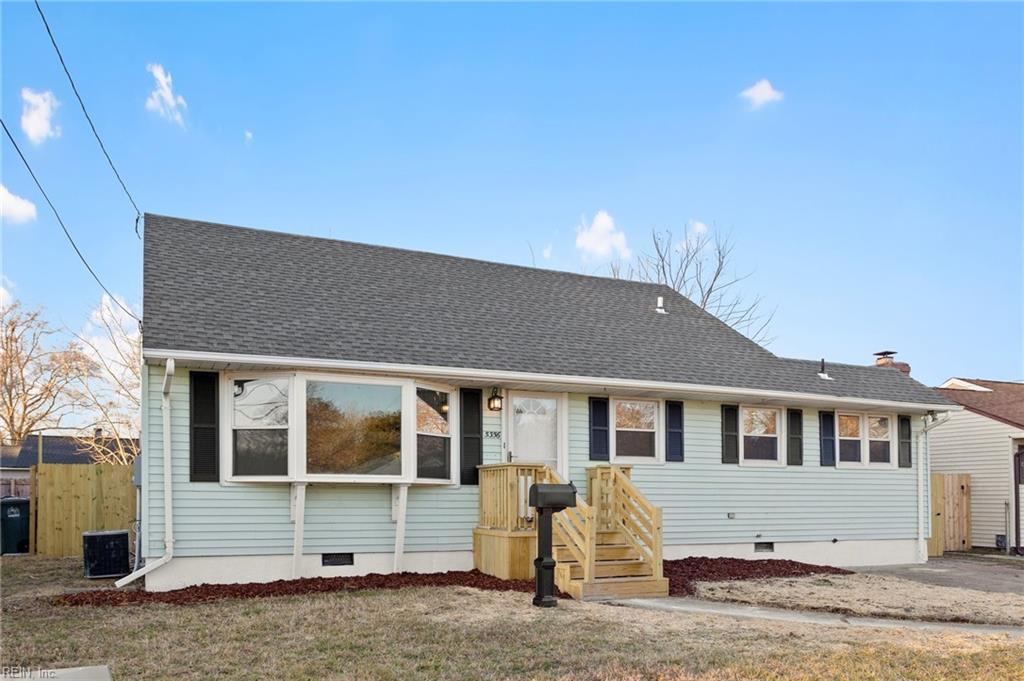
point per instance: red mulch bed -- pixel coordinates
(683, 573)
(205, 593)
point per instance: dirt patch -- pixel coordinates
(205, 593)
(685, 573)
(874, 596)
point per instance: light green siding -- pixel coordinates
(786, 503)
(211, 519)
(771, 504)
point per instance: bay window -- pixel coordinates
(761, 428)
(313, 427)
(635, 429)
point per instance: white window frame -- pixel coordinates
(780, 436)
(893, 442)
(659, 432)
(227, 426)
(865, 442)
(454, 436)
(297, 430)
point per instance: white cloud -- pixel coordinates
(37, 109)
(15, 210)
(162, 99)
(5, 296)
(697, 227)
(761, 93)
(248, 136)
(546, 253)
(600, 239)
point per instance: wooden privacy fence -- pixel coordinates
(69, 499)
(951, 513)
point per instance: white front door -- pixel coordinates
(533, 428)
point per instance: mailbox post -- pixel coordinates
(548, 500)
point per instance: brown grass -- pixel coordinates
(872, 595)
(457, 633)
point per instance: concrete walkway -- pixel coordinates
(692, 605)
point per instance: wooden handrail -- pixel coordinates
(639, 519)
(503, 495)
(577, 529)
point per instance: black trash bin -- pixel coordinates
(14, 525)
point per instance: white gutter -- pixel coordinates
(165, 418)
(923, 462)
(496, 376)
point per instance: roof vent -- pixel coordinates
(822, 374)
(660, 309)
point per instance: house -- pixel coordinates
(985, 440)
(15, 460)
(317, 407)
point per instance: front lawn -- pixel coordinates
(453, 633)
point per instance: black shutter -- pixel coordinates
(904, 442)
(827, 425)
(471, 447)
(204, 442)
(673, 431)
(598, 428)
(730, 433)
(794, 437)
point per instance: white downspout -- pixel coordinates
(399, 503)
(923, 463)
(165, 418)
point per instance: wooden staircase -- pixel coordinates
(608, 546)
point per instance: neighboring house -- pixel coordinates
(325, 406)
(984, 440)
(15, 460)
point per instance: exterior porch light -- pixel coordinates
(494, 401)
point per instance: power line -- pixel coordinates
(138, 213)
(63, 226)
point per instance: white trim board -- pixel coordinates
(191, 570)
(846, 553)
(585, 383)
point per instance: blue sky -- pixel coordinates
(877, 199)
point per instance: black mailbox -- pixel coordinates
(548, 500)
(555, 497)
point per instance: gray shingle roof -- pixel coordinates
(217, 288)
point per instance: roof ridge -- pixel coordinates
(829, 363)
(435, 254)
(988, 380)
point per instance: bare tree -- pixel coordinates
(698, 266)
(35, 379)
(110, 393)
